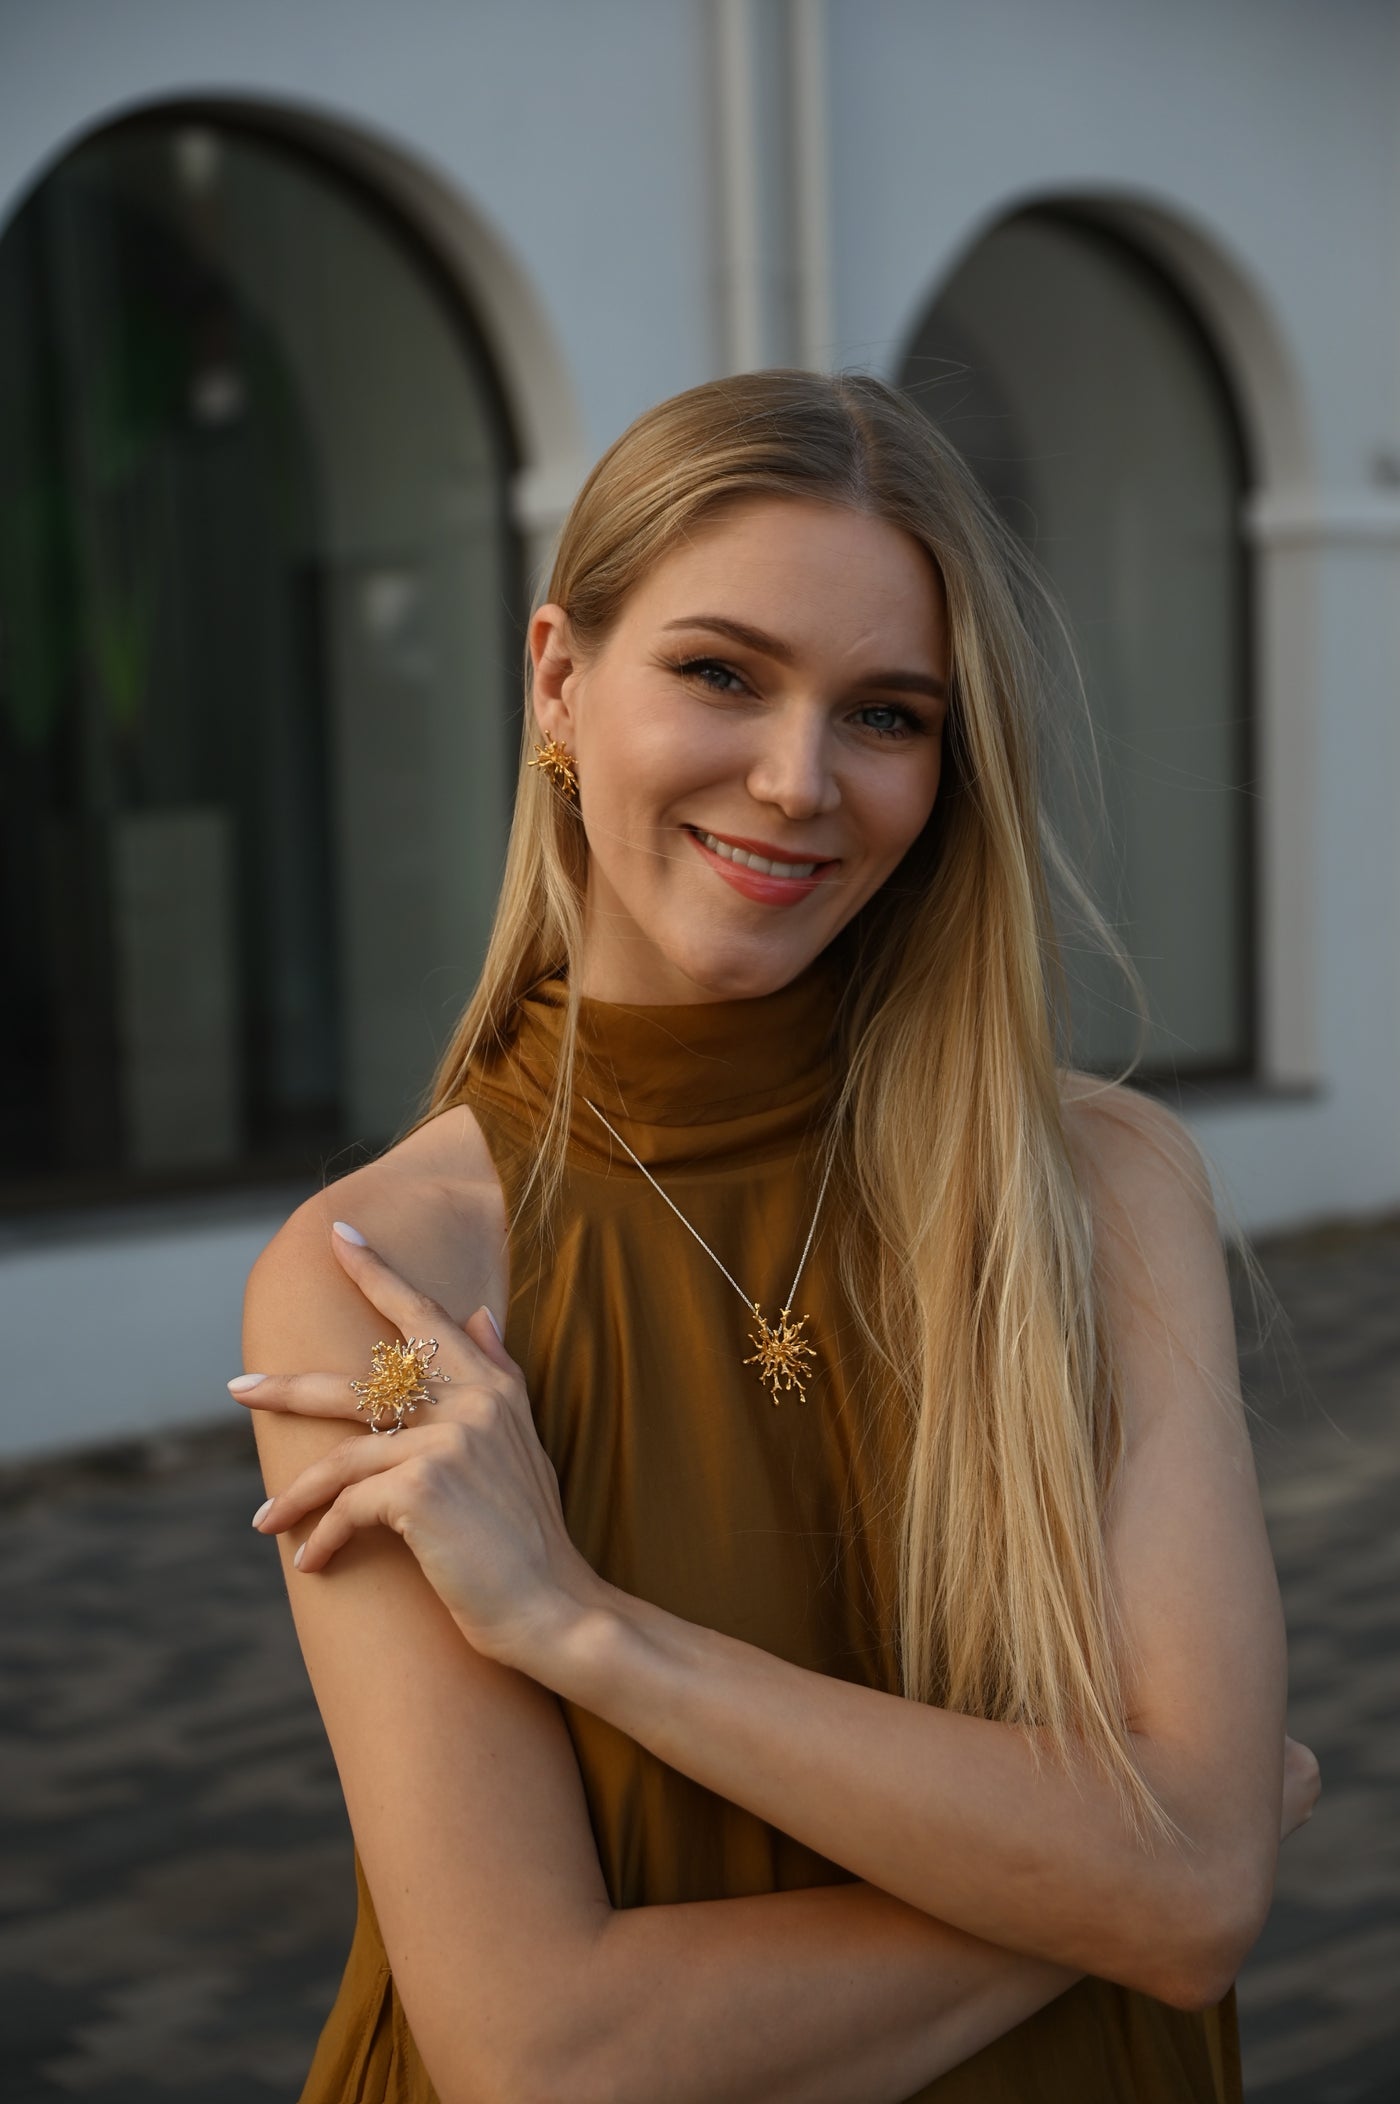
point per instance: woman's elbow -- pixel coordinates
(1225, 1923)
(1201, 1979)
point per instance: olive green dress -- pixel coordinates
(683, 1484)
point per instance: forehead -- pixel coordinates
(817, 575)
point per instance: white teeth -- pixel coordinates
(764, 868)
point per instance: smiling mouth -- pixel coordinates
(762, 865)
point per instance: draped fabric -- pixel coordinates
(685, 1484)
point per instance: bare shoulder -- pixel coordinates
(1131, 1150)
(1159, 1259)
(431, 1206)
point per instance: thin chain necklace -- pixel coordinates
(781, 1346)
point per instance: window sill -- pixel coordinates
(1228, 1092)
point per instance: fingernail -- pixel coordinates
(262, 1512)
(347, 1233)
(495, 1326)
(246, 1381)
(300, 1553)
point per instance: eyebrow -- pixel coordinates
(773, 647)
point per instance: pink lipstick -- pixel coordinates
(766, 886)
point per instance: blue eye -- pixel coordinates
(718, 678)
(696, 668)
(905, 723)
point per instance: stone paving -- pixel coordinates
(1320, 1996)
(178, 1896)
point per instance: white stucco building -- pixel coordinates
(313, 317)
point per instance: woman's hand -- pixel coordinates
(1302, 1785)
(472, 1492)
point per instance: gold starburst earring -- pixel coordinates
(558, 763)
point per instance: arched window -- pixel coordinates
(259, 626)
(1082, 389)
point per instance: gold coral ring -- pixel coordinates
(397, 1381)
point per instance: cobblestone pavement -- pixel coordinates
(1319, 2007)
(178, 1896)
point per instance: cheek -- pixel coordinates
(638, 775)
(895, 811)
(655, 760)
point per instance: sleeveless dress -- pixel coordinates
(682, 1483)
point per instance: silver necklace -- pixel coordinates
(781, 1346)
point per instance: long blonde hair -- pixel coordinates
(976, 1278)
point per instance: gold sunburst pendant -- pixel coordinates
(780, 1353)
(782, 1348)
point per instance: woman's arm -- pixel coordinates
(952, 1813)
(519, 1980)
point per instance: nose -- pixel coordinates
(793, 767)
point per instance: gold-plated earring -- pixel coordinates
(558, 763)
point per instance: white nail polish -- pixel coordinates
(300, 1553)
(262, 1512)
(245, 1381)
(348, 1233)
(495, 1326)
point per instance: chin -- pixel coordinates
(726, 974)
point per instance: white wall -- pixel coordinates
(129, 1327)
(583, 156)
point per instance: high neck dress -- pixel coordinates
(684, 1484)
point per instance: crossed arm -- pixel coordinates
(991, 1883)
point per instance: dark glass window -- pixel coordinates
(1080, 386)
(258, 636)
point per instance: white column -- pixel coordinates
(811, 183)
(772, 216)
(1294, 537)
(744, 337)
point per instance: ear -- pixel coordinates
(556, 665)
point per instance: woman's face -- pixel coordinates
(775, 688)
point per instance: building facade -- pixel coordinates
(312, 321)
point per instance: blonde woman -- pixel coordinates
(829, 1649)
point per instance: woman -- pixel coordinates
(829, 1649)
